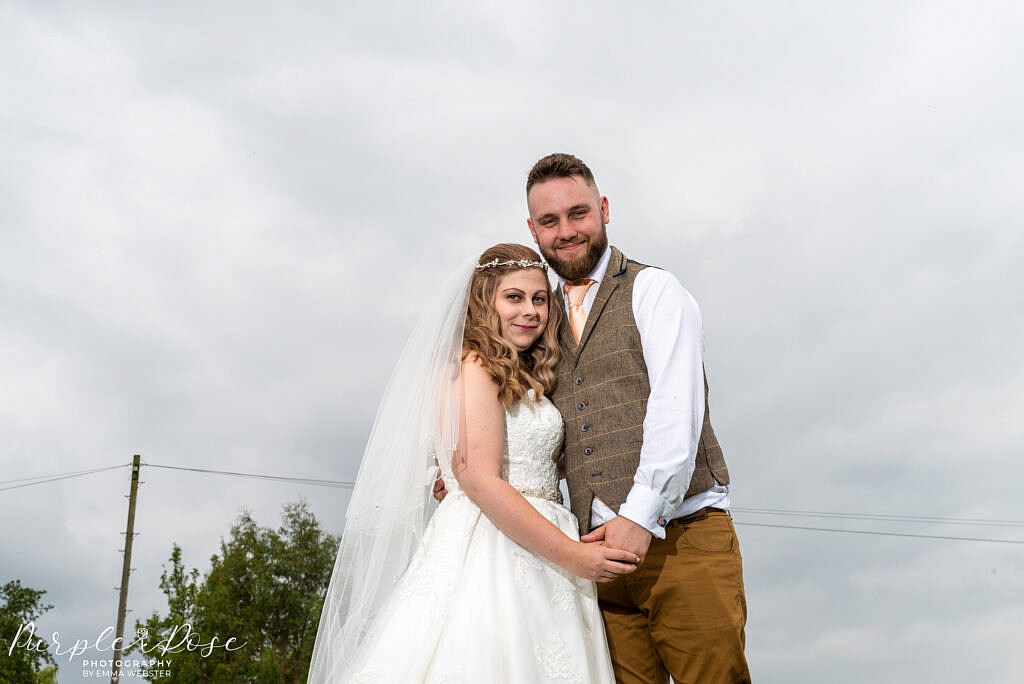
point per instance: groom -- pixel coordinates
(644, 470)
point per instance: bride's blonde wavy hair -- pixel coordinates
(514, 371)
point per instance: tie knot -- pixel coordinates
(576, 290)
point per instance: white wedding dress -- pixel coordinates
(476, 607)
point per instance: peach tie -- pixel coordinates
(575, 293)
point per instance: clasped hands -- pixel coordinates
(619, 533)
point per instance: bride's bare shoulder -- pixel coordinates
(476, 375)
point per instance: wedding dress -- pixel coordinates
(473, 606)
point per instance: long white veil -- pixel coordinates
(417, 421)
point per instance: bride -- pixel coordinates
(495, 586)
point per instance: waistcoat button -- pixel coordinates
(579, 406)
(579, 381)
(585, 428)
(588, 451)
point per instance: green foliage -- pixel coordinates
(265, 589)
(20, 605)
(48, 675)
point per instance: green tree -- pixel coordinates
(20, 605)
(265, 588)
(48, 675)
(181, 587)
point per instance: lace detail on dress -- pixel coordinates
(533, 440)
(367, 677)
(565, 592)
(554, 662)
(445, 678)
(423, 577)
(526, 563)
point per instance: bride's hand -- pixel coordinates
(599, 563)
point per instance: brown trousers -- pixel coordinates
(683, 611)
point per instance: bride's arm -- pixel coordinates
(481, 449)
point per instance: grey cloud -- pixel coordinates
(216, 226)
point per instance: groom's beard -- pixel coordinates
(580, 266)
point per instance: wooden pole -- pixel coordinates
(129, 535)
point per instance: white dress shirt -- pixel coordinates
(672, 338)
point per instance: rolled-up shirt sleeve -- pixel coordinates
(672, 336)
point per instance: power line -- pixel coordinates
(884, 534)
(888, 517)
(259, 476)
(344, 484)
(43, 479)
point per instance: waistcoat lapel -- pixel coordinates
(565, 339)
(610, 282)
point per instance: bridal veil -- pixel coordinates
(417, 421)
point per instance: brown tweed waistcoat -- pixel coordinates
(602, 394)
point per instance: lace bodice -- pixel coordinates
(533, 439)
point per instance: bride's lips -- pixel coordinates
(524, 328)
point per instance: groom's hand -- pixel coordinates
(622, 533)
(440, 491)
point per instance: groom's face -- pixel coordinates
(567, 220)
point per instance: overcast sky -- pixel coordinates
(217, 226)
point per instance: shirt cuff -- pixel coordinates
(647, 509)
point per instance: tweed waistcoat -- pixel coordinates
(602, 394)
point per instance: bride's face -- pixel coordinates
(521, 300)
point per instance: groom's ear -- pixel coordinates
(529, 224)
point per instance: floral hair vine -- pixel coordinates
(521, 263)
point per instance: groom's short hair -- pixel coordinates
(558, 165)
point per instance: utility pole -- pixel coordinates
(126, 568)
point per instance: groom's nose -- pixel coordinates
(565, 230)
